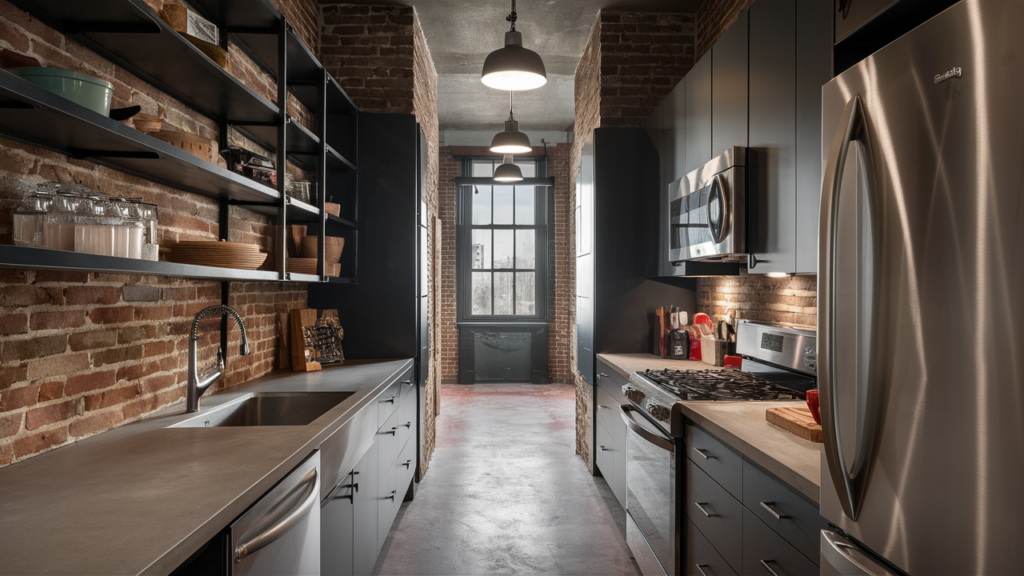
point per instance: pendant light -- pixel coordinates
(511, 141)
(508, 172)
(514, 67)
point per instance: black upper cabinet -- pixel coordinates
(729, 88)
(772, 164)
(862, 27)
(698, 114)
(812, 71)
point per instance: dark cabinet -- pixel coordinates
(610, 454)
(788, 66)
(364, 506)
(813, 67)
(772, 164)
(698, 114)
(729, 88)
(851, 15)
(337, 530)
(740, 518)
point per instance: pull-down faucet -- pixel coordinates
(195, 387)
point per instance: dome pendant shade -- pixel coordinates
(514, 67)
(508, 172)
(511, 141)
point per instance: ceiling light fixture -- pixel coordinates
(508, 172)
(511, 141)
(514, 67)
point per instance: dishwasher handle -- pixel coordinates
(286, 521)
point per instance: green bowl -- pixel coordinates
(89, 91)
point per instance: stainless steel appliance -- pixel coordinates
(707, 212)
(920, 314)
(654, 458)
(280, 533)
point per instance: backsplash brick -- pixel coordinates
(81, 352)
(790, 301)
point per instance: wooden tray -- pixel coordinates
(796, 420)
(200, 147)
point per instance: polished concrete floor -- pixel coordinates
(505, 494)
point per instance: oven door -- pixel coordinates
(651, 516)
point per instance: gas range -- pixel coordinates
(778, 364)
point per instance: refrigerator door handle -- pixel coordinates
(849, 483)
(847, 558)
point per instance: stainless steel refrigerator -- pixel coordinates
(921, 301)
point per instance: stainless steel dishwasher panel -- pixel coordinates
(280, 533)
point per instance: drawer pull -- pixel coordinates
(393, 431)
(603, 406)
(701, 452)
(392, 498)
(769, 568)
(406, 381)
(389, 400)
(602, 375)
(603, 449)
(408, 424)
(700, 506)
(701, 567)
(407, 463)
(766, 506)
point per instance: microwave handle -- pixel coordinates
(626, 412)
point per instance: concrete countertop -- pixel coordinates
(142, 498)
(742, 426)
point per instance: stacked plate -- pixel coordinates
(218, 254)
(308, 266)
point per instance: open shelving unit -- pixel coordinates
(130, 34)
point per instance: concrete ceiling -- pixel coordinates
(460, 34)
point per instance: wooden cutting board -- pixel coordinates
(796, 420)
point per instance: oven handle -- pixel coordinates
(656, 439)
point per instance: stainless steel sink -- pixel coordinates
(267, 409)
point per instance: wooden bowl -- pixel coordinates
(296, 233)
(332, 208)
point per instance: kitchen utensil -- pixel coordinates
(303, 351)
(814, 406)
(82, 89)
(297, 232)
(147, 123)
(203, 148)
(333, 248)
(796, 420)
(122, 114)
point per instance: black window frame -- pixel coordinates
(543, 206)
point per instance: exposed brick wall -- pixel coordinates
(370, 51)
(562, 294)
(643, 57)
(713, 18)
(81, 353)
(790, 301)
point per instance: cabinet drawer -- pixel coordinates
(607, 415)
(388, 445)
(406, 421)
(407, 385)
(388, 503)
(611, 381)
(604, 454)
(766, 553)
(799, 522)
(715, 513)
(388, 401)
(406, 466)
(700, 558)
(715, 458)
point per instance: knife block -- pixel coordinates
(713, 351)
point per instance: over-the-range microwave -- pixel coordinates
(707, 210)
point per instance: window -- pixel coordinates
(503, 245)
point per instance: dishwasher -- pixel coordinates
(280, 533)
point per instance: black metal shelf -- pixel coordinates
(341, 221)
(43, 259)
(338, 163)
(340, 280)
(131, 35)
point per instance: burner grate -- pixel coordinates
(728, 384)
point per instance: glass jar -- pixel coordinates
(59, 222)
(28, 221)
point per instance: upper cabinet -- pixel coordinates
(698, 114)
(789, 62)
(729, 88)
